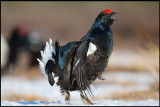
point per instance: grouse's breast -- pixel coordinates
(97, 57)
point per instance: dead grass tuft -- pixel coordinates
(132, 96)
(148, 57)
(136, 95)
(11, 96)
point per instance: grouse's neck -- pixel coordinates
(98, 30)
(98, 24)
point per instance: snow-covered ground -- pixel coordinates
(42, 88)
(148, 102)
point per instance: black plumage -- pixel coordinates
(79, 63)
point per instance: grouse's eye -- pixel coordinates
(107, 13)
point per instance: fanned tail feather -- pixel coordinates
(46, 55)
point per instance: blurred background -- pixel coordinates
(133, 70)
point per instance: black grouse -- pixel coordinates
(76, 65)
(24, 40)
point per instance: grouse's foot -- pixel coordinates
(86, 100)
(67, 95)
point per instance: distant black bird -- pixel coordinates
(76, 65)
(23, 40)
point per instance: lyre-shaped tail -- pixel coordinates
(47, 63)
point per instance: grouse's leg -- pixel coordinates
(66, 94)
(85, 100)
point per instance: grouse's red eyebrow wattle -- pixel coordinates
(108, 11)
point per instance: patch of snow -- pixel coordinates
(148, 102)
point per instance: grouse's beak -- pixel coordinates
(113, 14)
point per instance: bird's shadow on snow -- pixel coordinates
(38, 102)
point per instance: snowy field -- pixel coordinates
(41, 87)
(148, 102)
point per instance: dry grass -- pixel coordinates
(144, 59)
(28, 74)
(126, 83)
(33, 73)
(12, 96)
(153, 93)
(149, 59)
(135, 96)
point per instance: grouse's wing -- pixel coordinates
(67, 52)
(78, 73)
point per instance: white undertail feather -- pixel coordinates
(46, 55)
(56, 79)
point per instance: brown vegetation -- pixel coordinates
(12, 96)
